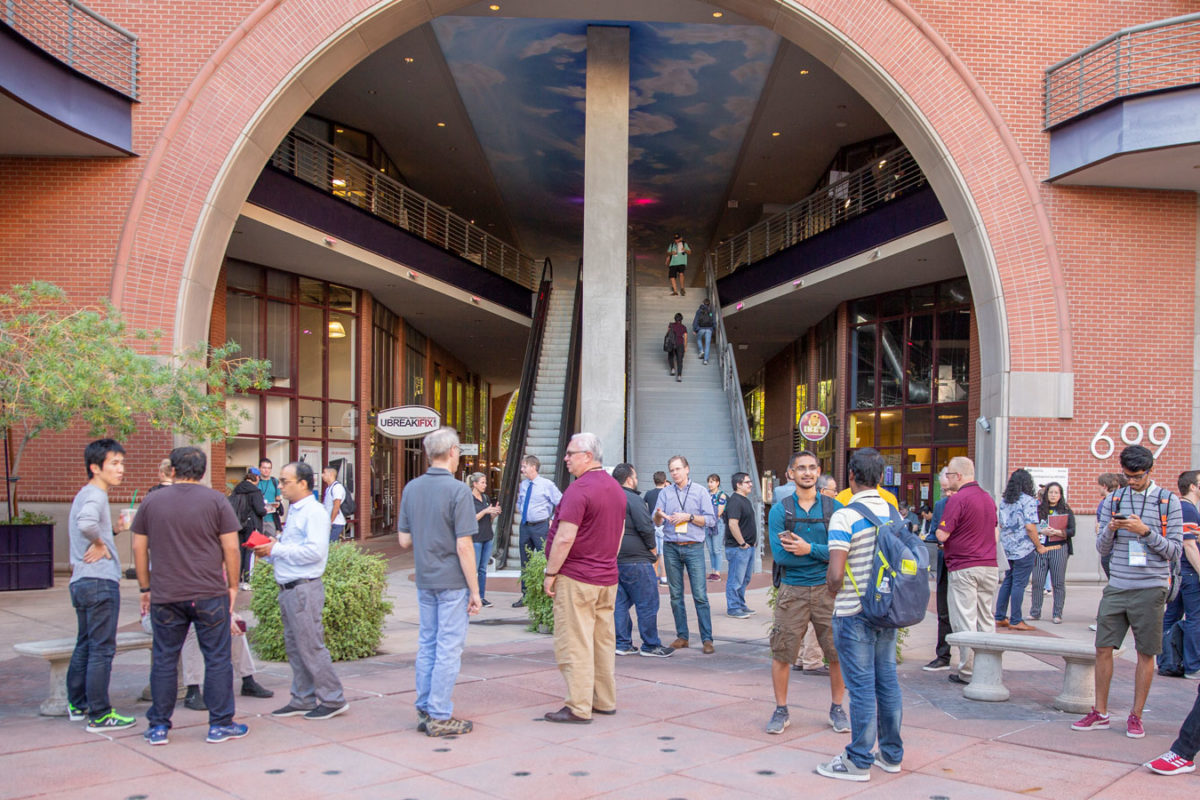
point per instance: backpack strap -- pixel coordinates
(869, 516)
(826, 510)
(790, 508)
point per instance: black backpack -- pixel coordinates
(244, 511)
(789, 524)
(348, 505)
(704, 318)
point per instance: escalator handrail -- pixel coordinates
(571, 388)
(511, 477)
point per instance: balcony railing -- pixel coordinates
(324, 166)
(80, 38)
(1138, 60)
(894, 174)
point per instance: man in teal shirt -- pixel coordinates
(801, 547)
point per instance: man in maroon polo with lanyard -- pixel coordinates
(968, 534)
(581, 576)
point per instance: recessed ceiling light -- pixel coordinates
(839, 124)
(718, 14)
(776, 133)
(441, 124)
(371, 91)
(494, 7)
(803, 72)
(339, 130)
(338, 182)
(409, 59)
(882, 163)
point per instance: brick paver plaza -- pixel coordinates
(691, 726)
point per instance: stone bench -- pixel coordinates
(58, 653)
(987, 683)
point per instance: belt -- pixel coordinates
(535, 521)
(684, 544)
(297, 582)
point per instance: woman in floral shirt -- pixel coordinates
(1018, 516)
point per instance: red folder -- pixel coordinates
(255, 539)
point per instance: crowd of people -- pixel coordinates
(605, 547)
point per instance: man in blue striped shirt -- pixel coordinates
(867, 654)
(685, 510)
(537, 497)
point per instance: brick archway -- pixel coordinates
(286, 54)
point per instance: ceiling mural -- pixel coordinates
(693, 92)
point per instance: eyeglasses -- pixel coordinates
(1136, 476)
(574, 452)
(948, 474)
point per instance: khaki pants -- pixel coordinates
(585, 644)
(972, 607)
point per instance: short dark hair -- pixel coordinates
(1188, 479)
(97, 453)
(678, 317)
(715, 477)
(1136, 458)
(262, 461)
(621, 472)
(660, 478)
(737, 479)
(189, 462)
(796, 457)
(532, 461)
(304, 473)
(866, 465)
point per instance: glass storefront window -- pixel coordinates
(343, 421)
(862, 429)
(343, 366)
(891, 363)
(953, 354)
(950, 423)
(240, 455)
(247, 408)
(890, 428)
(920, 358)
(862, 357)
(862, 311)
(310, 417)
(243, 323)
(918, 425)
(279, 343)
(311, 351)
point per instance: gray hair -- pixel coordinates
(439, 443)
(942, 479)
(590, 443)
(474, 478)
(825, 480)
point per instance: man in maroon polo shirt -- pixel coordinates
(581, 576)
(967, 532)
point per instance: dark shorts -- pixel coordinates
(1139, 609)
(675, 270)
(795, 608)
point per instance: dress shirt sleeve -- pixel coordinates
(310, 546)
(553, 493)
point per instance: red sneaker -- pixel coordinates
(1133, 727)
(1171, 764)
(1094, 721)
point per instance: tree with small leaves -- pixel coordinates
(60, 365)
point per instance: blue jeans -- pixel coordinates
(703, 340)
(637, 587)
(96, 603)
(676, 558)
(210, 617)
(483, 552)
(1012, 589)
(440, 640)
(1186, 606)
(868, 660)
(741, 567)
(714, 543)
(335, 533)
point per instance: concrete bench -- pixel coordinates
(987, 683)
(58, 653)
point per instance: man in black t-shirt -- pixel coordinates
(741, 537)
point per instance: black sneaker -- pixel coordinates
(195, 701)
(291, 711)
(662, 651)
(252, 688)
(937, 665)
(486, 603)
(627, 651)
(519, 604)
(325, 712)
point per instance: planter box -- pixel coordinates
(26, 557)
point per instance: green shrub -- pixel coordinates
(31, 518)
(354, 606)
(539, 604)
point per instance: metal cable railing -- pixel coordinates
(1137, 60)
(80, 38)
(326, 167)
(892, 175)
(732, 384)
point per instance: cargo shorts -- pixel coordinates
(795, 608)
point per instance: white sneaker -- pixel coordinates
(843, 769)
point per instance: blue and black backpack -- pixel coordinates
(898, 594)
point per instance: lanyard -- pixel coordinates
(685, 496)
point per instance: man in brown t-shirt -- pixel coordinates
(191, 532)
(968, 534)
(581, 576)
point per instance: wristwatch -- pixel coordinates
(144, 591)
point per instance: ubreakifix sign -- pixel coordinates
(408, 422)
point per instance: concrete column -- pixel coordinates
(605, 222)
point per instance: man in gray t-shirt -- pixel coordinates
(437, 519)
(95, 594)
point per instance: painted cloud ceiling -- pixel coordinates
(693, 91)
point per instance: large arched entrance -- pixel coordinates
(260, 81)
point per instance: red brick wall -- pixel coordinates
(122, 227)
